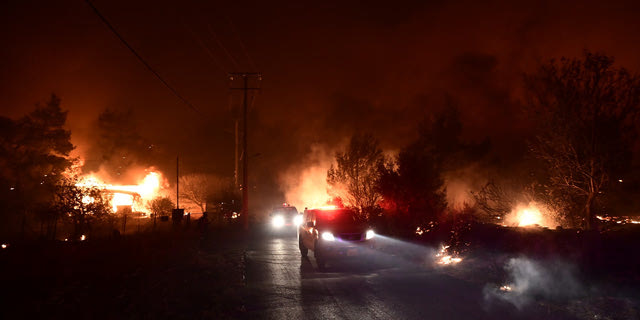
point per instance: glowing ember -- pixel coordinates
(83, 237)
(446, 259)
(505, 288)
(419, 231)
(4, 246)
(88, 200)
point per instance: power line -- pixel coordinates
(215, 37)
(244, 49)
(106, 22)
(205, 47)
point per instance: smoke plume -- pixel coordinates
(530, 280)
(305, 184)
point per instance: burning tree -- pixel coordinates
(587, 110)
(354, 176)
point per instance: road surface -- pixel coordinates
(283, 285)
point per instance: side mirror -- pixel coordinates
(310, 224)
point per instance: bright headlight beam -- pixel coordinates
(328, 236)
(277, 221)
(370, 234)
(297, 220)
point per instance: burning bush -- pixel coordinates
(531, 214)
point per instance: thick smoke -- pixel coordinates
(461, 182)
(531, 280)
(305, 184)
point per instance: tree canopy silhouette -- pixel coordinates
(588, 111)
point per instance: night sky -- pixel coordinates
(330, 68)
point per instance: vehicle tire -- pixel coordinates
(303, 250)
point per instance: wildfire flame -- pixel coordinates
(446, 259)
(530, 215)
(133, 196)
(306, 185)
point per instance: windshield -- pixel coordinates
(340, 218)
(285, 211)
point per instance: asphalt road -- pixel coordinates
(283, 285)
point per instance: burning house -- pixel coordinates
(129, 198)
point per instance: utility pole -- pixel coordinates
(235, 171)
(245, 149)
(177, 182)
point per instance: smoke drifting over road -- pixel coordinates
(530, 280)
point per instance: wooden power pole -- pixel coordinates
(257, 78)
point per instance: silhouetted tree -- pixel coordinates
(412, 185)
(83, 205)
(354, 176)
(160, 206)
(441, 136)
(197, 188)
(34, 153)
(588, 113)
(119, 145)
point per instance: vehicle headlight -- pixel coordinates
(277, 221)
(370, 234)
(297, 220)
(328, 236)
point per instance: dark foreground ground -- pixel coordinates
(164, 275)
(225, 274)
